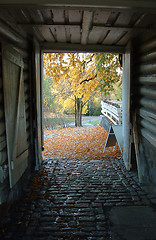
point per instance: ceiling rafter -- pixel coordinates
(68, 47)
(125, 4)
(86, 24)
(96, 26)
(78, 25)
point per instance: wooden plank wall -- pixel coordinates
(27, 94)
(38, 99)
(144, 103)
(7, 194)
(30, 109)
(4, 180)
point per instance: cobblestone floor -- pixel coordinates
(71, 199)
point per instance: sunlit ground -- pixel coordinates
(77, 142)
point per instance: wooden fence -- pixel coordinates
(112, 110)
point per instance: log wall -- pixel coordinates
(144, 103)
(4, 171)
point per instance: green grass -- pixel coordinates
(96, 122)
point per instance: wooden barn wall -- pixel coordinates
(4, 172)
(28, 94)
(38, 99)
(28, 99)
(144, 103)
(8, 194)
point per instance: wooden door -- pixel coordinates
(15, 118)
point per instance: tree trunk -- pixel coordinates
(78, 112)
(75, 113)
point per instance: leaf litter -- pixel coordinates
(78, 142)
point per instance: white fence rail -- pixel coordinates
(112, 110)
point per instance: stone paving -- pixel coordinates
(72, 199)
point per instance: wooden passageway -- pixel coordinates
(29, 28)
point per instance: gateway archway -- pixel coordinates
(28, 28)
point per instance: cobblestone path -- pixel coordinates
(71, 199)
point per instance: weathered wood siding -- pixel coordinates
(28, 98)
(11, 69)
(4, 171)
(38, 99)
(72, 28)
(98, 29)
(144, 102)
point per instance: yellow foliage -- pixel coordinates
(73, 70)
(69, 105)
(84, 110)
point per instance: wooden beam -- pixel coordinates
(96, 26)
(68, 47)
(126, 131)
(86, 24)
(9, 33)
(144, 4)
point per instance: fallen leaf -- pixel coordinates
(19, 223)
(77, 142)
(71, 205)
(59, 221)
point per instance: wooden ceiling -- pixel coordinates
(99, 27)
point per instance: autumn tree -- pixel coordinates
(48, 95)
(76, 70)
(83, 73)
(94, 105)
(108, 70)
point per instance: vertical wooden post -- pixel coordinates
(42, 133)
(126, 107)
(38, 103)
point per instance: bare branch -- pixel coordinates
(90, 59)
(87, 80)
